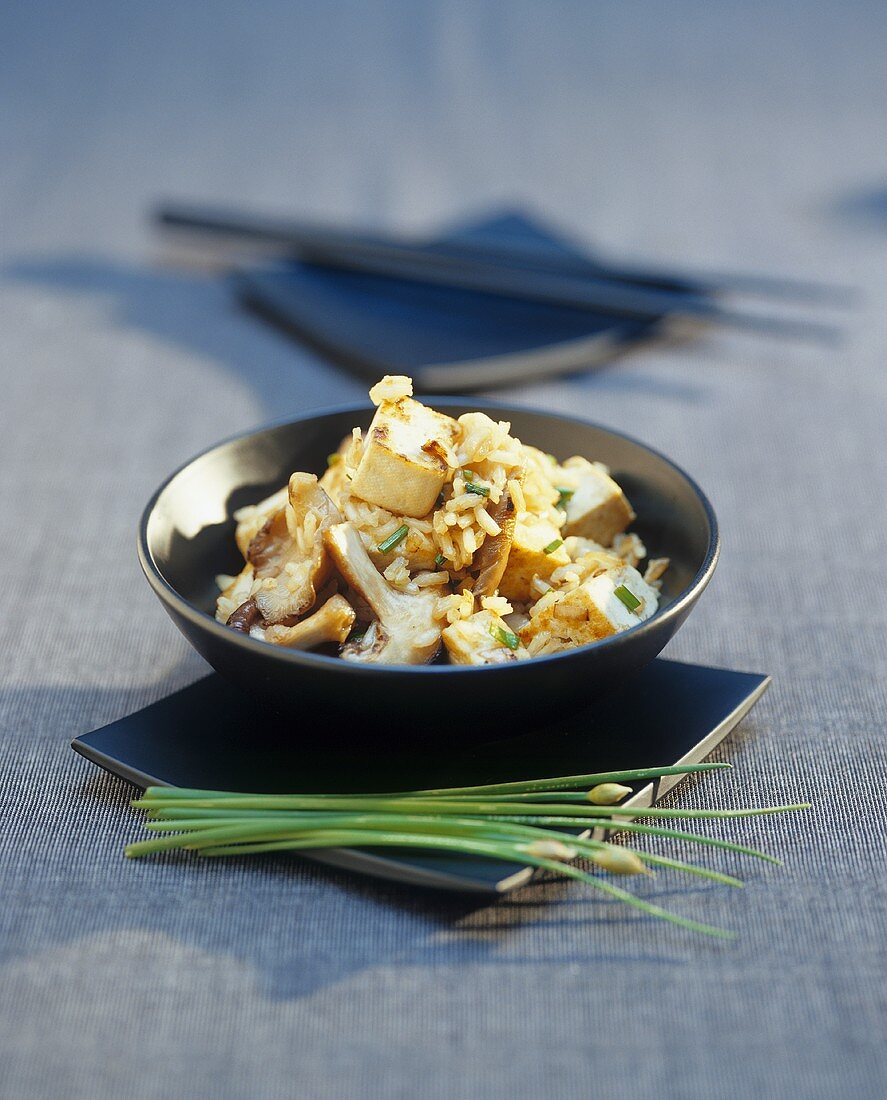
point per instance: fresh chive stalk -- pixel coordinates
(628, 598)
(450, 806)
(566, 782)
(515, 852)
(183, 818)
(555, 783)
(609, 825)
(288, 824)
(394, 539)
(552, 546)
(520, 822)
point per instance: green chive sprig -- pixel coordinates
(521, 822)
(627, 597)
(394, 539)
(505, 636)
(477, 489)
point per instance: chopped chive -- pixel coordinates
(628, 598)
(552, 546)
(467, 475)
(439, 559)
(563, 495)
(478, 490)
(504, 636)
(393, 539)
(332, 459)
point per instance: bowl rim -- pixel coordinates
(307, 660)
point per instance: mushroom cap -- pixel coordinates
(330, 623)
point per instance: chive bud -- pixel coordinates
(619, 861)
(628, 598)
(608, 794)
(551, 849)
(393, 539)
(552, 546)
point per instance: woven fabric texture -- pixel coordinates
(722, 136)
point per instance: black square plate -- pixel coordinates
(208, 736)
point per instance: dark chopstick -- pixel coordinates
(299, 236)
(541, 282)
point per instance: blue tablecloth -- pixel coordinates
(740, 136)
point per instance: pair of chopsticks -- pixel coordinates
(522, 274)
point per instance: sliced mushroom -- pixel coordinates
(492, 558)
(406, 632)
(288, 554)
(332, 623)
(251, 519)
(234, 594)
(271, 547)
(245, 617)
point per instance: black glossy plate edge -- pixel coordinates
(395, 870)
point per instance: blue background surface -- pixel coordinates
(717, 135)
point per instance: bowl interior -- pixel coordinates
(190, 530)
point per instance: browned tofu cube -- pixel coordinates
(528, 558)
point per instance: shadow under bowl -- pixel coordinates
(186, 538)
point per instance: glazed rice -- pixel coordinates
(490, 477)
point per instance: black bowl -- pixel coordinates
(186, 538)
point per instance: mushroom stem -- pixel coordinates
(406, 632)
(492, 558)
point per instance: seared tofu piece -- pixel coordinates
(404, 464)
(528, 557)
(482, 640)
(597, 508)
(593, 610)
